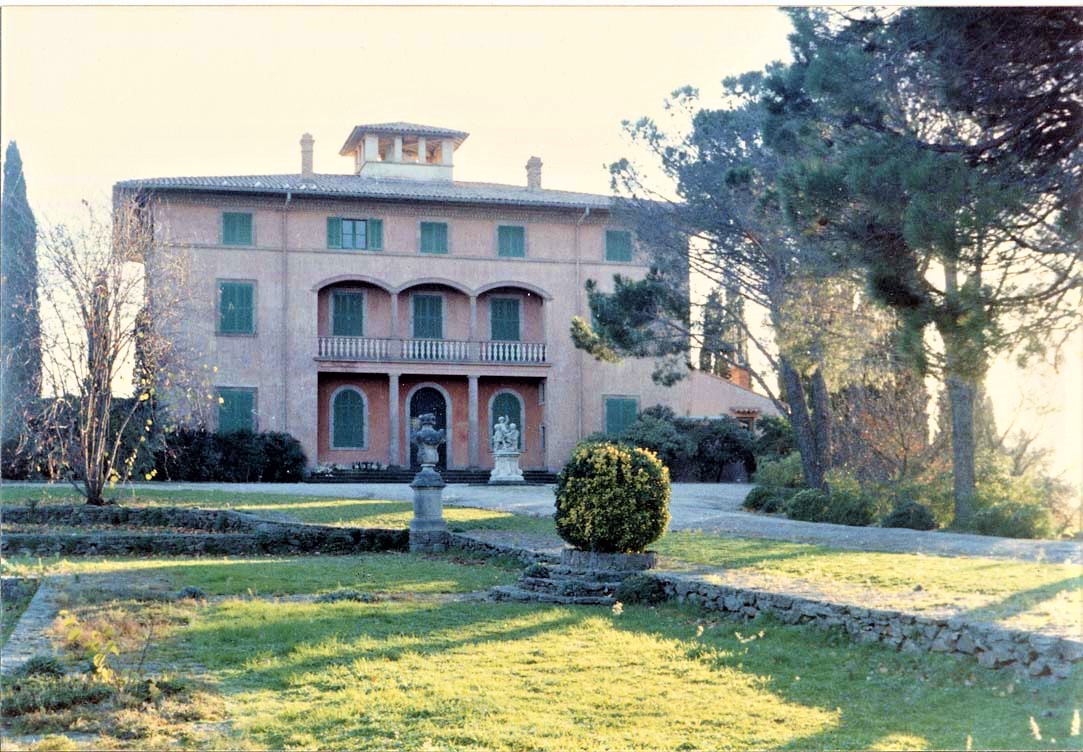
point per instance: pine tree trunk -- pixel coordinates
(804, 435)
(821, 420)
(961, 393)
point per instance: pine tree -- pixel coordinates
(715, 345)
(20, 323)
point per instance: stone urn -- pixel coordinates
(428, 531)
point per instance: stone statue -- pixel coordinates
(506, 453)
(505, 435)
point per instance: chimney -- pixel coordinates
(533, 174)
(306, 155)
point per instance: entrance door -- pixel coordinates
(428, 400)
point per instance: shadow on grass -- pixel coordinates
(1025, 600)
(878, 696)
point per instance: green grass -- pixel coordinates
(10, 611)
(324, 510)
(1018, 594)
(502, 676)
(376, 573)
(1024, 593)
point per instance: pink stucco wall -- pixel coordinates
(294, 272)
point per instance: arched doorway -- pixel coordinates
(428, 399)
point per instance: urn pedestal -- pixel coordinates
(428, 531)
(506, 471)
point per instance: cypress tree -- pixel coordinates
(20, 322)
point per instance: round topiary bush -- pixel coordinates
(612, 498)
(809, 505)
(910, 515)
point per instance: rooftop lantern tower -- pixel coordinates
(403, 150)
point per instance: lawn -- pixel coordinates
(1016, 594)
(277, 575)
(439, 674)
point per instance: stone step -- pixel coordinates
(519, 595)
(593, 575)
(567, 586)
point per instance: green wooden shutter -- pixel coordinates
(509, 405)
(334, 232)
(511, 241)
(433, 237)
(428, 317)
(375, 234)
(236, 308)
(618, 245)
(236, 410)
(620, 412)
(347, 314)
(504, 319)
(236, 228)
(348, 416)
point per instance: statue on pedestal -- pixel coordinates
(505, 453)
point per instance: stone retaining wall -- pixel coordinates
(992, 646)
(227, 533)
(484, 548)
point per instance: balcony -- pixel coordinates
(372, 349)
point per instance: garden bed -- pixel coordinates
(118, 531)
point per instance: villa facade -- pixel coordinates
(339, 307)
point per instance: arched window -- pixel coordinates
(348, 419)
(509, 404)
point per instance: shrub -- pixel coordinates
(641, 588)
(239, 456)
(720, 445)
(536, 570)
(673, 446)
(859, 510)
(809, 505)
(758, 496)
(612, 498)
(911, 515)
(283, 459)
(41, 665)
(783, 473)
(1013, 520)
(777, 502)
(191, 592)
(36, 693)
(774, 439)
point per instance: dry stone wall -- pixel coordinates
(992, 646)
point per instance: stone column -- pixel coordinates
(393, 413)
(473, 432)
(447, 148)
(545, 422)
(398, 149)
(421, 147)
(473, 318)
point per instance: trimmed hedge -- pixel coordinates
(612, 498)
(809, 505)
(237, 457)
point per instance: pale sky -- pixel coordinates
(96, 95)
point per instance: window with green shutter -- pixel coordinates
(434, 237)
(511, 241)
(355, 234)
(236, 410)
(347, 314)
(375, 229)
(348, 420)
(428, 317)
(236, 228)
(504, 319)
(618, 245)
(236, 307)
(507, 404)
(620, 412)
